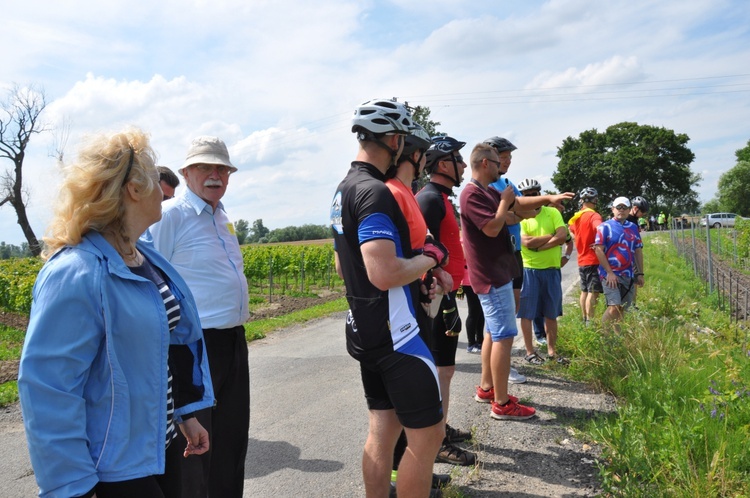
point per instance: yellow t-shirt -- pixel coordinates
(545, 223)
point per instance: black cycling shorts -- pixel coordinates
(406, 383)
(518, 281)
(590, 280)
(443, 346)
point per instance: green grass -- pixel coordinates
(11, 343)
(258, 329)
(680, 371)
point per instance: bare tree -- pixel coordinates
(19, 121)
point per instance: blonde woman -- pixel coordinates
(114, 358)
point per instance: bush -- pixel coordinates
(17, 277)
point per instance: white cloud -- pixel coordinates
(615, 70)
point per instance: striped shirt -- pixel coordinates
(172, 307)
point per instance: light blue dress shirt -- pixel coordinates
(201, 244)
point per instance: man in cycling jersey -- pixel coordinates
(446, 168)
(381, 273)
(618, 246)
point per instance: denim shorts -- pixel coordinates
(541, 294)
(499, 308)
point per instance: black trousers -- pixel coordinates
(220, 472)
(165, 485)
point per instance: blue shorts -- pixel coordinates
(541, 294)
(499, 308)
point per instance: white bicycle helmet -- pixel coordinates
(528, 184)
(380, 116)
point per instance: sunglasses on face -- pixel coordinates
(530, 193)
(621, 207)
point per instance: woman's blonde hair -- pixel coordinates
(91, 195)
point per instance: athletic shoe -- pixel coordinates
(450, 453)
(483, 396)
(454, 435)
(476, 349)
(515, 377)
(541, 341)
(511, 411)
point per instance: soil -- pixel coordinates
(282, 304)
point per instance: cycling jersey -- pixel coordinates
(438, 212)
(620, 240)
(363, 210)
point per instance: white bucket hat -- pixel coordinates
(207, 150)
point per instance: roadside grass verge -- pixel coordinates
(681, 373)
(11, 343)
(258, 329)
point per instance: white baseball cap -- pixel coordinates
(621, 201)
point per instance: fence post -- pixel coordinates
(708, 261)
(270, 278)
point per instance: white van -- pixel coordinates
(718, 220)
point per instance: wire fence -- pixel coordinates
(717, 258)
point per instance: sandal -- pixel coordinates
(559, 359)
(534, 359)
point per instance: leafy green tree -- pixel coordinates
(711, 206)
(242, 229)
(743, 154)
(258, 231)
(733, 186)
(421, 116)
(630, 159)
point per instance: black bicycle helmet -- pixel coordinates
(529, 184)
(640, 203)
(500, 144)
(379, 116)
(441, 147)
(588, 194)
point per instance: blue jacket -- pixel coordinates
(93, 374)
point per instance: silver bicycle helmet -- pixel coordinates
(588, 194)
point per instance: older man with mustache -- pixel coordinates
(198, 238)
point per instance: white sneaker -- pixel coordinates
(515, 377)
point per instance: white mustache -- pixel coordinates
(212, 183)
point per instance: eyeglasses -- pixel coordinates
(497, 163)
(621, 207)
(209, 168)
(458, 159)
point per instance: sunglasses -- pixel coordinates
(458, 159)
(621, 207)
(531, 193)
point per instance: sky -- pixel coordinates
(278, 81)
